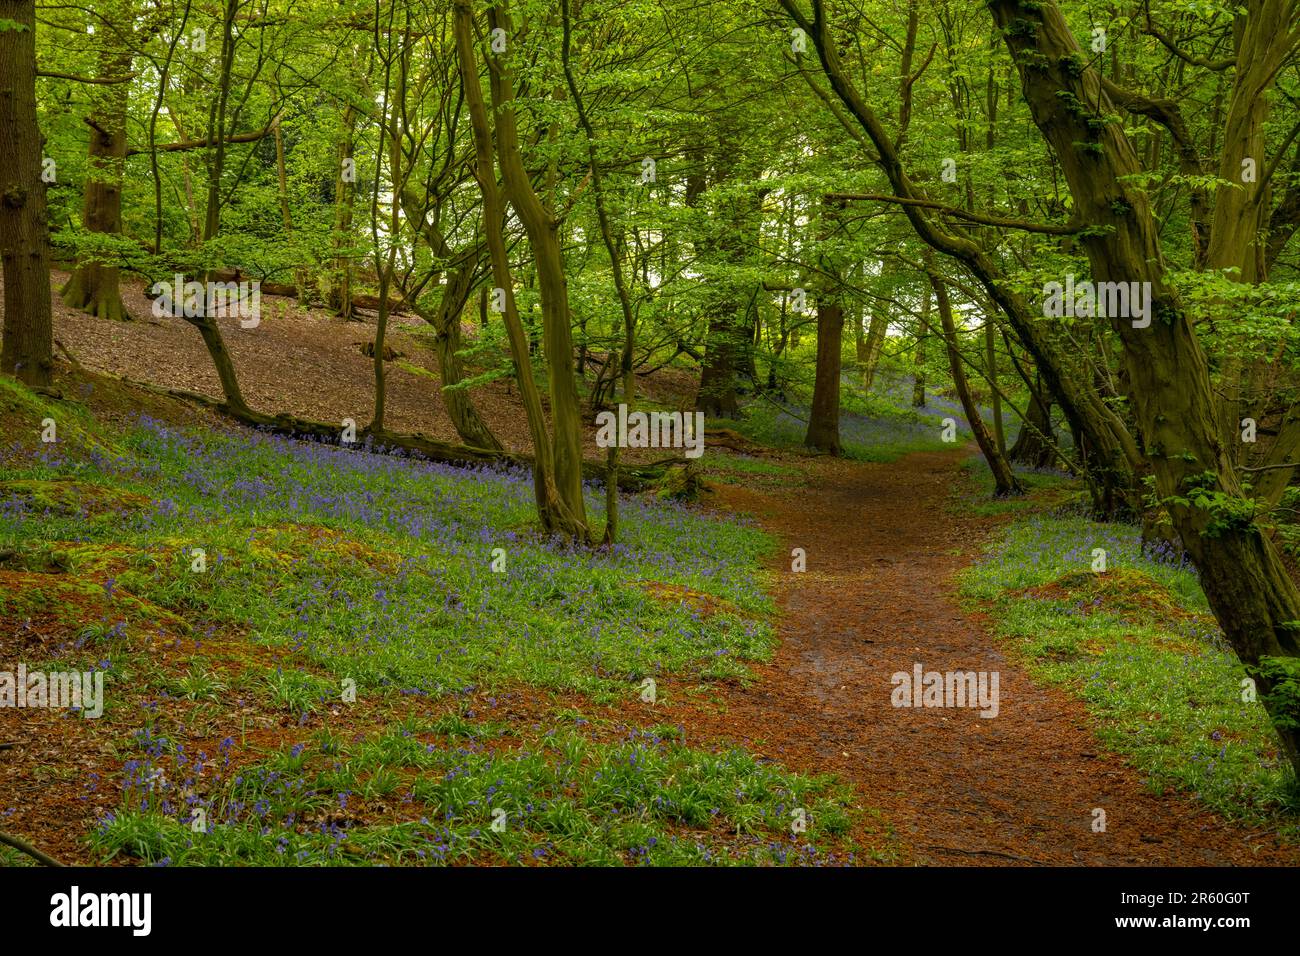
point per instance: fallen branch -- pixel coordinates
(25, 847)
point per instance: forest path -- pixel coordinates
(878, 596)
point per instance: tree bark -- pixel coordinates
(824, 415)
(991, 370)
(918, 363)
(28, 339)
(206, 323)
(1004, 479)
(339, 297)
(93, 287)
(445, 320)
(542, 228)
(1030, 448)
(553, 508)
(1253, 597)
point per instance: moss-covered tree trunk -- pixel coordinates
(542, 229)
(1253, 597)
(445, 320)
(1031, 445)
(553, 507)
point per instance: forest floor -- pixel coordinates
(883, 546)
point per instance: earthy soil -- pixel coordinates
(309, 363)
(883, 545)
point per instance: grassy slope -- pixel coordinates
(482, 696)
(1139, 645)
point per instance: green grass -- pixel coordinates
(976, 497)
(1139, 645)
(379, 570)
(872, 428)
(419, 793)
(724, 466)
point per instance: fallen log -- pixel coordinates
(385, 442)
(371, 304)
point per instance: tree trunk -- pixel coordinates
(557, 325)
(340, 284)
(1004, 479)
(1253, 597)
(446, 322)
(1031, 447)
(918, 363)
(717, 392)
(93, 287)
(824, 415)
(28, 340)
(875, 344)
(991, 371)
(207, 323)
(552, 508)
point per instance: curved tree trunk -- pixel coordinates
(553, 507)
(542, 229)
(1253, 597)
(1030, 448)
(1004, 479)
(446, 323)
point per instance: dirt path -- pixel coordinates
(877, 597)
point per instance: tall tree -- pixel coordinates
(93, 286)
(553, 506)
(541, 225)
(27, 351)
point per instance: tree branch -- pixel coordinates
(25, 847)
(96, 80)
(1045, 227)
(188, 144)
